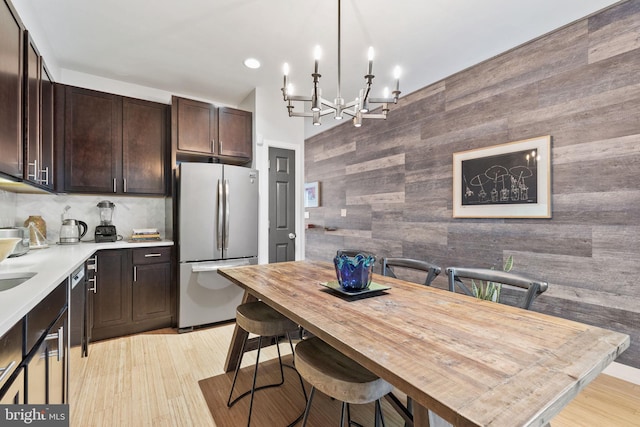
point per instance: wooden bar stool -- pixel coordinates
(260, 319)
(339, 377)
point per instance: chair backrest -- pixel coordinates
(525, 288)
(388, 265)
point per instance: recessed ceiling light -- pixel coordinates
(251, 63)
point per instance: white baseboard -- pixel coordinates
(623, 372)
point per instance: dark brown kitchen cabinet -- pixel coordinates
(46, 359)
(113, 144)
(195, 126)
(235, 132)
(92, 141)
(112, 297)
(133, 291)
(11, 91)
(46, 129)
(151, 291)
(32, 82)
(144, 143)
(202, 131)
(11, 380)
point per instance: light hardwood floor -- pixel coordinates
(152, 379)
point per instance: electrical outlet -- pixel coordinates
(343, 212)
(306, 214)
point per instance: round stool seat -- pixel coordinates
(336, 375)
(260, 319)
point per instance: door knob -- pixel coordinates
(292, 236)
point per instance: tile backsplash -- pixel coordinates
(129, 213)
(7, 209)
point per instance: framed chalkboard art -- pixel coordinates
(510, 180)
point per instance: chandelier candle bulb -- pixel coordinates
(316, 55)
(370, 56)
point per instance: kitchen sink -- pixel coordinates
(11, 280)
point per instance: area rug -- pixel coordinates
(279, 406)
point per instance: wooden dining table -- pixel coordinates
(472, 362)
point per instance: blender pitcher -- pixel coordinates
(106, 231)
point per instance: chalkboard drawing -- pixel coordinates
(510, 178)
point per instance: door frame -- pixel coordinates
(262, 164)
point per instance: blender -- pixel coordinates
(106, 231)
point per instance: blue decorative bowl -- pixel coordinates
(354, 273)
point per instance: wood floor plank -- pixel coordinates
(153, 379)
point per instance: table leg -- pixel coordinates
(233, 354)
(420, 415)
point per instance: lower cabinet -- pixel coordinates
(133, 291)
(34, 354)
(47, 349)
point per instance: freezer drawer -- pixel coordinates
(205, 296)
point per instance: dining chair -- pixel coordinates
(340, 378)
(517, 290)
(394, 267)
(260, 319)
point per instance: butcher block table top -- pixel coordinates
(472, 362)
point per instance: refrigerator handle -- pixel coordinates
(226, 214)
(219, 242)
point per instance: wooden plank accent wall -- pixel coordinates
(579, 84)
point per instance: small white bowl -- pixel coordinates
(7, 244)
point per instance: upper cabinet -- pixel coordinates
(113, 144)
(46, 128)
(38, 118)
(144, 146)
(202, 131)
(194, 125)
(235, 132)
(11, 87)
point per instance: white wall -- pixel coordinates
(274, 128)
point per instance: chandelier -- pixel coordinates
(360, 108)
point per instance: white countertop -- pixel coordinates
(52, 266)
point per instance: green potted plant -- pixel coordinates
(490, 291)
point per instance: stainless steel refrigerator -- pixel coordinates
(217, 227)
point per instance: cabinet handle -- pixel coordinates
(115, 185)
(135, 273)
(93, 266)
(94, 288)
(35, 170)
(45, 172)
(154, 255)
(60, 337)
(5, 371)
(125, 184)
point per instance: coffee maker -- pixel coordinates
(106, 231)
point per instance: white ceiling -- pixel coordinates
(197, 47)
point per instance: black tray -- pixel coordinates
(373, 287)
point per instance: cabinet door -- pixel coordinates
(32, 111)
(112, 298)
(46, 128)
(151, 291)
(144, 144)
(235, 133)
(195, 126)
(57, 362)
(92, 141)
(11, 84)
(15, 393)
